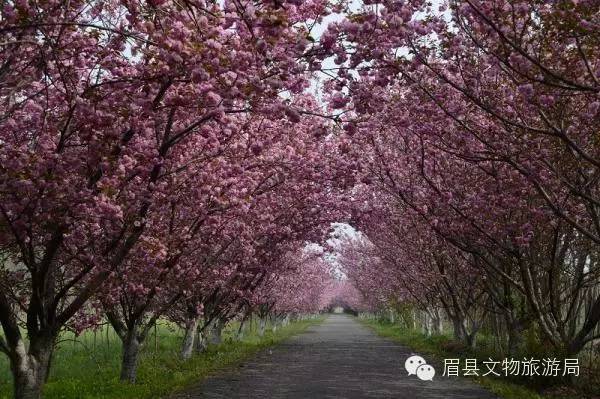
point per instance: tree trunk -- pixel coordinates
(239, 335)
(215, 332)
(27, 384)
(515, 335)
(262, 323)
(428, 324)
(514, 341)
(30, 367)
(414, 319)
(275, 323)
(471, 340)
(201, 341)
(438, 325)
(130, 353)
(472, 334)
(187, 347)
(591, 320)
(459, 329)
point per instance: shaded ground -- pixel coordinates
(337, 359)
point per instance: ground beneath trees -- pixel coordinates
(339, 358)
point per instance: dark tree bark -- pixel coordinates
(130, 357)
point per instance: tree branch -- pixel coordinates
(3, 346)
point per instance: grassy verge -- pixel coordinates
(88, 367)
(439, 347)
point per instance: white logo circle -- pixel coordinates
(412, 364)
(425, 372)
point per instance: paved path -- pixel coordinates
(339, 358)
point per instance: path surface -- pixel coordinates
(339, 358)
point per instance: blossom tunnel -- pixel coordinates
(184, 164)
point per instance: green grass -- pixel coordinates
(438, 346)
(88, 368)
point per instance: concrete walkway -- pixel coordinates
(339, 358)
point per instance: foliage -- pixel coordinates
(82, 370)
(443, 347)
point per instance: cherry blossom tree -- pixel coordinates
(100, 103)
(483, 128)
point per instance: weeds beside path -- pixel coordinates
(441, 347)
(88, 367)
